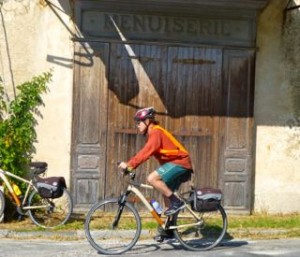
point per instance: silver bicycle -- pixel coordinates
(113, 226)
(47, 212)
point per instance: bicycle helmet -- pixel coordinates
(145, 113)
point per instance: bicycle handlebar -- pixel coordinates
(127, 172)
(130, 173)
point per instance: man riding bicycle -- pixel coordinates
(175, 163)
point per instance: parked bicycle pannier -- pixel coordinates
(52, 187)
(205, 199)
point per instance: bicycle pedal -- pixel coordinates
(159, 238)
(20, 217)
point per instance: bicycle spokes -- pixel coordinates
(203, 232)
(111, 233)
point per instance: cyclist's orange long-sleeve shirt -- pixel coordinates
(163, 148)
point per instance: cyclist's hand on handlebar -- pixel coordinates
(123, 165)
(125, 169)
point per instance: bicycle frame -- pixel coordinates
(139, 194)
(30, 186)
(46, 211)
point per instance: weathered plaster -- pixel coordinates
(34, 41)
(277, 176)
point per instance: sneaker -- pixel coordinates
(174, 208)
(163, 234)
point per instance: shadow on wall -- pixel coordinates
(278, 89)
(140, 64)
(177, 74)
(7, 50)
(291, 39)
(291, 46)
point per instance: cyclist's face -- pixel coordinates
(142, 126)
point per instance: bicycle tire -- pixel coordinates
(56, 212)
(99, 229)
(207, 234)
(2, 204)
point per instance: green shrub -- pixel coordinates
(17, 124)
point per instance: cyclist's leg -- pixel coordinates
(162, 234)
(171, 174)
(159, 184)
(166, 182)
(166, 178)
(171, 177)
(156, 181)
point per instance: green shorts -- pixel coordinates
(170, 173)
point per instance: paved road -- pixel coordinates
(236, 248)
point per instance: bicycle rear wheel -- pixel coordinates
(111, 230)
(202, 232)
(51, 212)
(2, 205)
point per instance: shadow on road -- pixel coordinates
(173, 244)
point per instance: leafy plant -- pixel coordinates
(2, 102)
(17, 124)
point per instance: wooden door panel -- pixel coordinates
(136, 81)
(193, 88)
(238, 125)
(89, 123)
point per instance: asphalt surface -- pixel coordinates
(81, 248)
(74, 244)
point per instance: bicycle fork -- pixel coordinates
(121, 202)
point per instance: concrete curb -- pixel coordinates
(42, 234)
(145, 234)
(56, 235)
(261, 233)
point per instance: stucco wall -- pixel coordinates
(34, 39)
(277, 99)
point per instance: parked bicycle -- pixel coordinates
(113, 226)
(46, 200)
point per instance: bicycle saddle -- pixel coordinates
(39, 167)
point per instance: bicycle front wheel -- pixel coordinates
(48, 212)
(111, 229)
(200, 231)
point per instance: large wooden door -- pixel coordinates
(203, 95)
(184, 86)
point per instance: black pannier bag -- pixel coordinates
(205, 199)
(52, 187)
